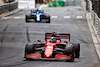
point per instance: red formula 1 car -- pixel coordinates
(54, 48)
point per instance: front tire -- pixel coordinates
(29, 48)
(69, 50)
(26, 18)
(48, 20)
(77, 49)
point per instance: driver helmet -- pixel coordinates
(53, 40)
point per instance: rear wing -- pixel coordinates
(61, 35)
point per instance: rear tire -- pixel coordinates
(69, 50)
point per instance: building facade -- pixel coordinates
(1, 2)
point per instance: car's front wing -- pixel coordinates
(57, 57)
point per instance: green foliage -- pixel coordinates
(56, 4)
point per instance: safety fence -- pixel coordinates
(94, 17)
(96, 22)
(8, 7)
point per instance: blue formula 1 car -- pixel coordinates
(38, 16)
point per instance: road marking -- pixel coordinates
(13, 17)
(17, 17)
(54, 16)
(22, 17)
(79, 17)
(5, 17)
(66, 16)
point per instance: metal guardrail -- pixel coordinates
(94, 17)
(8, 7)
(96, 22)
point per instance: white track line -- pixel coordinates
(66, 16)
(17, 17)
(5, 17)
(79, 17)
(54, 16)
(13, 17)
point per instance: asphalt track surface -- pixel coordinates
(15, 34)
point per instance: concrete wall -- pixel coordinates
(8, 7)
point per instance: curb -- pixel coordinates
(8, 13)
(94, 34)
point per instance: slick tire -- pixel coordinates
(29, 48)
(48, 20)
(69, 50)
(26, 19)
(77, 49)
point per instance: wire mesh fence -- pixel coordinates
(96, 22)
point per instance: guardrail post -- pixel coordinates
(99, 29)
(94, 19)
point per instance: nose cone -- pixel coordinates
(38, 17)
(49, 51)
